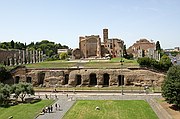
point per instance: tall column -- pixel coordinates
(10, 61)
(23, 57)
(15, 61)
(34, 60)
(19, 59)
(27, 56)
(42, 56)
(30, 56)
(39, 53)
(36, 56)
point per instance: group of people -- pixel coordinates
(50, 96)
(49, 109)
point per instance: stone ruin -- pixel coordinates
(87, 77)
(18, 57)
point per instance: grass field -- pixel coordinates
(114, 63)
(24, 111)
(123, 109)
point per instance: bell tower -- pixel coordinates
(105, 35)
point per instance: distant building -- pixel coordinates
(59, 51)
(92, 47)
(144, 46)
(113, 45)
(177, 49)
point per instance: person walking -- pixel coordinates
(56, 106)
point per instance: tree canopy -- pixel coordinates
(22, 89)
(19, 90)
(63, 56)
(163, 64)
(4, 74)
(158, 46)
(171, 86)
(49, 48)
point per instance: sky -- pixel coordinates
(63, 21)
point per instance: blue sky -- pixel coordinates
(63, 21)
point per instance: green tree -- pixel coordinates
(12, 44)
(4, 74)
(165, 62)
(4, 93)
(144, 61)
(22, 89)
(63, 56)
(171, 86)
(125, 52)
(158, 46)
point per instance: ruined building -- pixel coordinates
(143, 45)
(114, 45)
(18, 57)
(91, 46)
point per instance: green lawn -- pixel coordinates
(24, 111)
(123, 109)
(114, 63)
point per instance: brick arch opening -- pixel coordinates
(78, 79)
(41, 77)
(66, 79)
(120, 80)
(93, 79)
(29, 79)
(16, 80)
(106, 79)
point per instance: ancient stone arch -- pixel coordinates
(41, 76)
(106, 79)
(78, 79)
(66, 79)
(29, 79)
(92, 79)
(120, 80)
(16, 80)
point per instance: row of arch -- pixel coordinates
(78, 79)
(93, 79)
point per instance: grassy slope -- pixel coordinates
(24, 111)
(114, 63)
(124, 109)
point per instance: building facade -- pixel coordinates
(91, 46)
(143, 47)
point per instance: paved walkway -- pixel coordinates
(66, 103)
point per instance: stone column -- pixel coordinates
(15, 61)
(23, 57)
(27, 56)
(30, 56)
(34, 60)
(10, 61)
(39, 56)
(19, 59)
(36, 56)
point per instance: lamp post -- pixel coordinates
(121, 76)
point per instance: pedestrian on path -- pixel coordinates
(51, 108)
(59, 107)
(56, 106)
